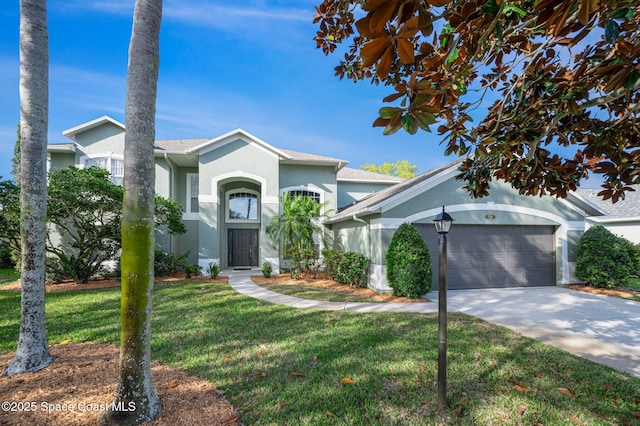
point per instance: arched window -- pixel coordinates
(243, 205)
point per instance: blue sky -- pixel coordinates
(224, 65)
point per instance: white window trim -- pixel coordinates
(188, 214)
(244, 190)
(108, 155)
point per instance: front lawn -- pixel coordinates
(281, 365)
(8, 276)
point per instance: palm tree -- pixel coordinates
(135, 389)
(33, 351)
(295, 226)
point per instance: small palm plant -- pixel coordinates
(295, 226)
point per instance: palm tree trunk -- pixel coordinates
(136, 400)
(33, 352)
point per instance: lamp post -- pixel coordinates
(443, 223)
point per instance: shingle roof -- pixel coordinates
(348, 173)
(369, 203)
(179, 144)
(297, 155)
(629, 207)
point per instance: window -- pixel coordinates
(242, 206)
(115, 166)
(305, 193)
(193, 189)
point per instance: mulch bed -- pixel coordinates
(76, 388)
(321, 280)
(622, 293)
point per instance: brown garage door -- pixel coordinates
(494, 256)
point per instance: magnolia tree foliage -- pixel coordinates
(559, 76)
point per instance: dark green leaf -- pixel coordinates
(611, 31)
(388, 112)
(631, 80)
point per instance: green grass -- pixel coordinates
(8, 276)
(279, 365)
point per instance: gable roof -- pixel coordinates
(74, 131)
(392, 196)
(627, 208)
(376, 201)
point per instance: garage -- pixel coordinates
(494, 256)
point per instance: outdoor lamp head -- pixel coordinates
(443, 222)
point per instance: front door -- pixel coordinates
(243, 247)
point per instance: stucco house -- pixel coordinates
(229, 187)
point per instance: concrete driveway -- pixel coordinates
(603, 329)
(600, 328)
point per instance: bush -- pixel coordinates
(408, 263)
(634, 255)
(66, 267)
(266, 269)
(6, 259)
(603, 259)
(331, 260)
(192, 270)
(213, 270)
(346, 267)
(168, 263)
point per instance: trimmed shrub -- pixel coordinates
(634, 255)
(346, 267)
(352, 269)
(603, 259)
(408, 263)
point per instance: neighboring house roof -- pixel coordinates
(627, 208)
(347, 174)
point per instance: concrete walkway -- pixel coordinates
(602, 329)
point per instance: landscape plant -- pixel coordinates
(213, 270)
(408, 263)
(84, 218)
(168, 263)
(604, 259)
(267, 268)
(295, 226)
(347, 267)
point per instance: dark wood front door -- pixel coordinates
(243, 247)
